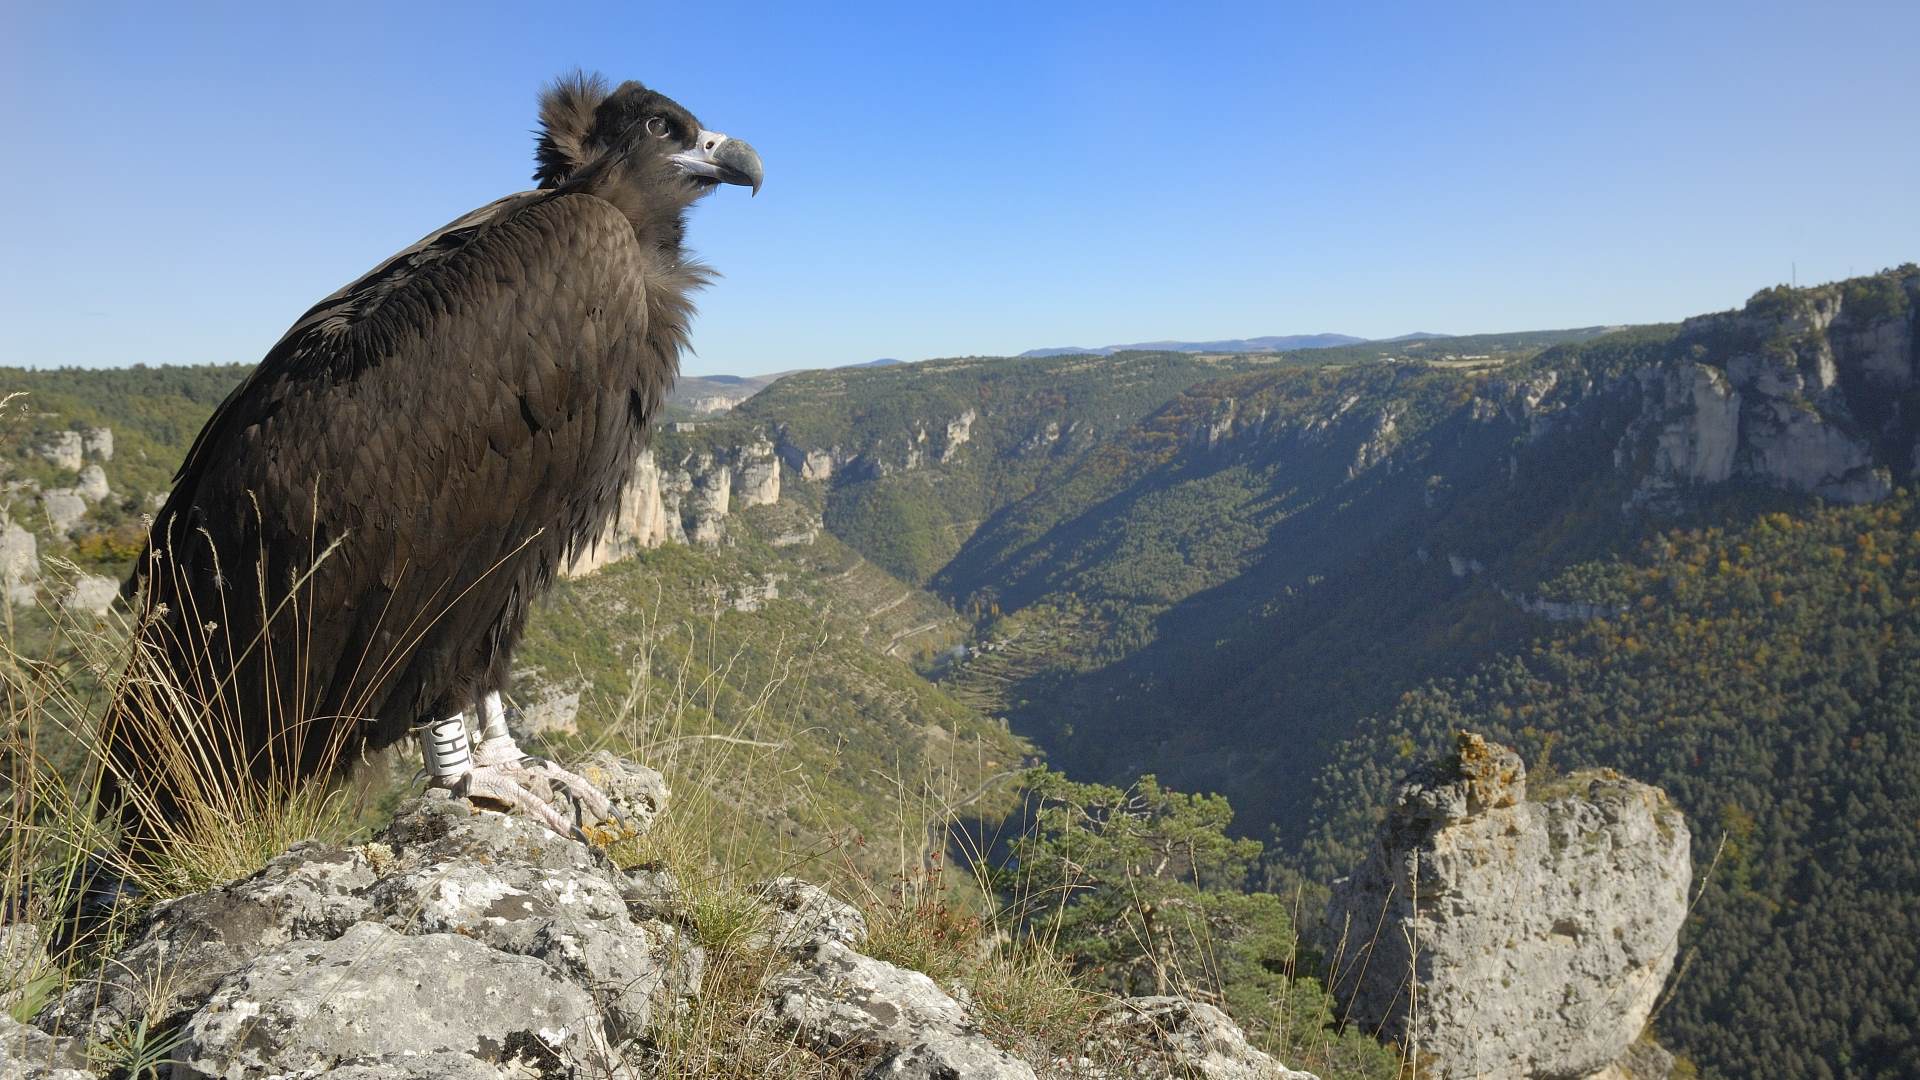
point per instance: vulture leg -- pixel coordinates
(450, 763)
(497, 750)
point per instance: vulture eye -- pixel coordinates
(656, 127)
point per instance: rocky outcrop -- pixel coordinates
(71, 450)
(91, 594)
(1180, 1038)
(959, 433)
(92, 485)
(463, 943)
(682, 496)
(27, 1053)
(756, 474)
(19, 562)
(886, 455)
(1699, 433)
(470, 935)
(1377, 445)
(1513, 939)
(1797, 391)
(97, 443)
(62, 449)
(840, 1001)
(64, 509)
(709, 403)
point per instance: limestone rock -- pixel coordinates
(463, 943)
(812, 465)
(1795, 393)
(1174, 1037)
(756, 475)
(1644, 1060)
(97, 443)
(869, 1010)
(187, 946)
(1699, 444)
(433, 1066)
(1542, 932)
(708, 502)
(806, 916)
(959, 433)
(23, 959)
(311, 1005)
(1799, 449)
(1043, 437)
(93, 484)
(639, 523)
(1886, 351)
(286, 971)
(682, 497)
(64, 449)
(654, 892)
(1378, 444)
(19, 562)
(27, 1053)
(64, 508)
(91, 594)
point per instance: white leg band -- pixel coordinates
(446, 748)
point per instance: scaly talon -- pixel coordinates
(494, 768)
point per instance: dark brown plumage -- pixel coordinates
(355, 537)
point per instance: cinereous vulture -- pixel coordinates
(351, 547)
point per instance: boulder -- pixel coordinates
(805, 916)
(91, 594)
(1174, 1037)
(311, 1005)
(19, 562)
(23, 960)
(28, 1053)
(92, 485)
(867, 1010)
(64, 508)
(1509, 938)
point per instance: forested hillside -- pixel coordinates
(917, 457)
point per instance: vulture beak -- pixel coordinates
(724, 160)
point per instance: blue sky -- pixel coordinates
(959, 179)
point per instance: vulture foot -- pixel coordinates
(495, 769)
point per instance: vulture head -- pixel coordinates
(635, 147)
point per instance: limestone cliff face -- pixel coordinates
(683, 495)
(939, 441)
(1509, 938)
(1806, 392)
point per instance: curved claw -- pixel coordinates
(489, 782)
(580, 792)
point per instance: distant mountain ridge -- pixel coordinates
(1281, 343)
